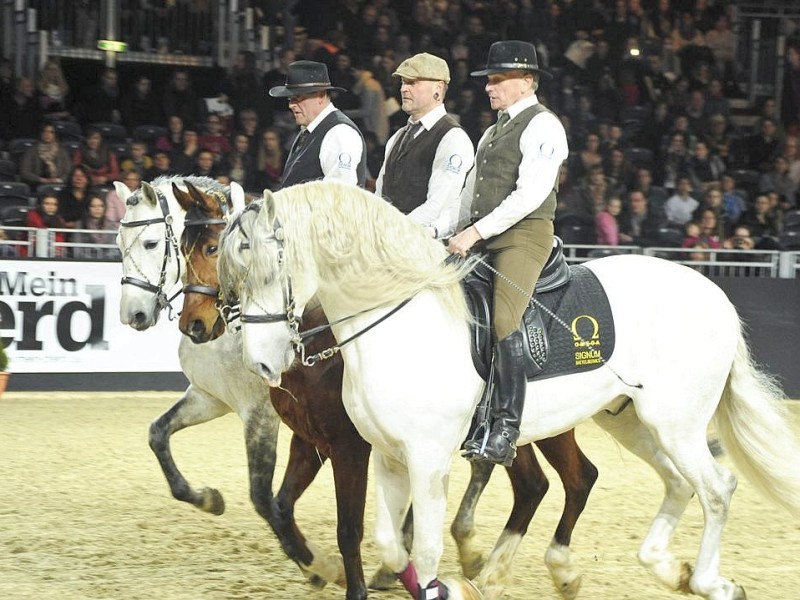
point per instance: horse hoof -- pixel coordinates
(569, 589)
(383, 579)
(211, 501)
(462, 589)
(472, 567)
(314, 579)
(739, 593)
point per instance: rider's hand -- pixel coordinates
(462, 242)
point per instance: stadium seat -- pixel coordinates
(671, 236)
(8, 170)
(790, 240)
(68, 130)
(14, 215)
(121, 149)
(640, 157)
(746, 179)
(71, 146)
(149, 133)
(633, 113)
(575, 229)
(49, 188)
(791, 220)
(18, 146)
(112, 132)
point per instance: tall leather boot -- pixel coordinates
(511, 381)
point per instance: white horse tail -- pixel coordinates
(754, 424)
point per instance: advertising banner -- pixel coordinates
(63, 317)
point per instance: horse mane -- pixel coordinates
(361, 246)
(198, 181)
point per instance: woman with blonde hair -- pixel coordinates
(53, 91)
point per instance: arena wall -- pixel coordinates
(60, 324)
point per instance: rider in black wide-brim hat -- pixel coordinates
(511, 55)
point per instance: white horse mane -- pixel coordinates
(325, 228)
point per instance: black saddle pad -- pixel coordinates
(569, 329)
(581, 335)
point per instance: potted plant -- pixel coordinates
(3, 369)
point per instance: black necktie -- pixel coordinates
(300, 141)
(408, 134)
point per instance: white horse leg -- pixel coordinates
(654, 553)
(193, 408)
(391, 501)
(714, 485)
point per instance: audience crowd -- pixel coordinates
(658, 156)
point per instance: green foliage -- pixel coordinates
(3, 358)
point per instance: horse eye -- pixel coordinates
(151, 245)
(211, 251)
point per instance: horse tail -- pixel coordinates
(754, 425)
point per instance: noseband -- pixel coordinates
(170, 245)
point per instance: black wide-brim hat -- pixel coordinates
(304, 77)
(511, 55)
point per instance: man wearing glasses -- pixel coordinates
(329, 145)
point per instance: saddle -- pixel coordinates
(478, 289)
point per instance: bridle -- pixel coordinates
(299, 338)
(170, 245)
(228, 313)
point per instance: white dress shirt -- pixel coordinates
(341, 150)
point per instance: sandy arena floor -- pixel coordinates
(86, 513)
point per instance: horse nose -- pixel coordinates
(272, 376)
(197, 331)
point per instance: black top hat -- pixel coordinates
(511, 56)
(304, 77)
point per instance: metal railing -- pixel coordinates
(44, 243)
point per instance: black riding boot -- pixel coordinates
(509, 398)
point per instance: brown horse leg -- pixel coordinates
(350, 472)
(193, 408)
(303, 465)
(578, 476)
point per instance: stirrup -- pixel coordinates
(476, 445)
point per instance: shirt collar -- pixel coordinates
(521, 105)
(325, 112)
(431, 118)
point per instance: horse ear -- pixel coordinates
(196, 194)
(237, 197)
(149, 194)
(268, 206)
(183, 198)
(122, 191)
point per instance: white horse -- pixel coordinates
(410, 387)
(219, 382)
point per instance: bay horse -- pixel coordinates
(319, 418)
(410, 385)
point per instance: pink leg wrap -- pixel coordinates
(408, 577)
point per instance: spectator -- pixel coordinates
(681, 205)
(760, 219)
(719, 139)
(778, 180)
(250, 126)
(619, 169)
(101, 103)
(705, 230)
(656, 196)
(242, 87)
(184, 160)
(674, 162)
(721, 40)
(638, 225)
(180, 99)
(98, 158)
(712, 199)
(282, 117)
(9, 249)
(140, 106)
(115, 207)
(240, 165)
(46, 216)
(716, 102)
(733, 200)
(791, 152)
(138, 161)
(270, 161)
(172, 142)
(371, 113)
(606, 225)
(204, 165)
(75, 195)
(46, 162)
(790, 102)
(588, 157)
(763, 146)
(213, 139)
(162, 166)
(97, 230)
(741, 239)
(704, 168)
(53, 91)
(25, 114)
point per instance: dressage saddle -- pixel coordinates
(479, 288)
